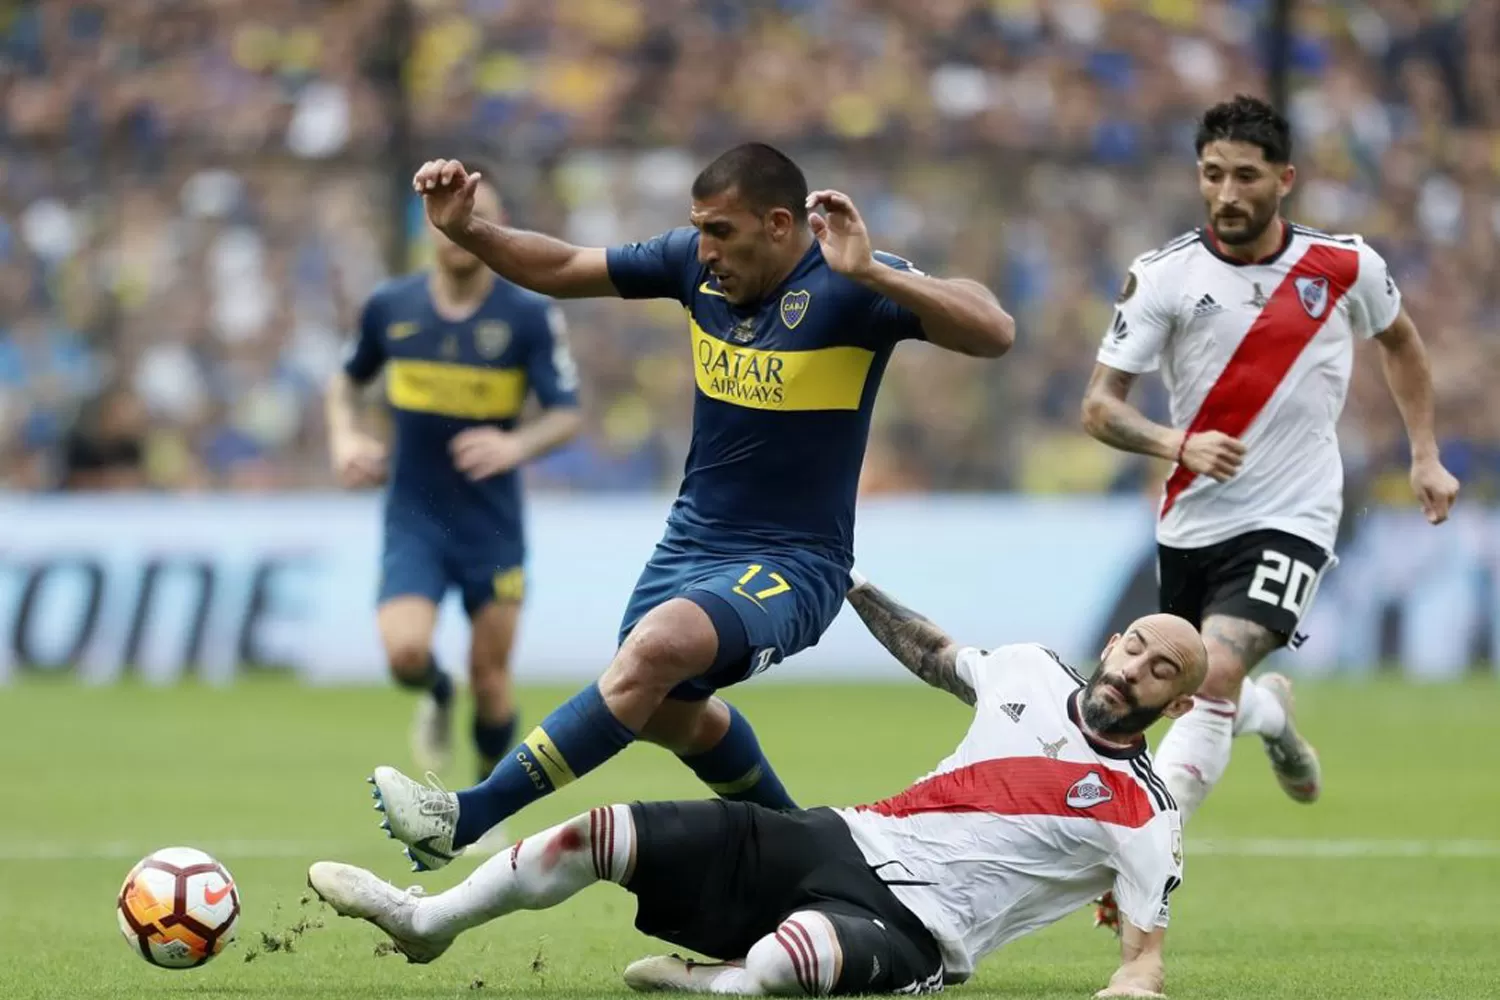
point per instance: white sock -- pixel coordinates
(1195, 752)
(538, 872)
(800, 958)
(1260, 712)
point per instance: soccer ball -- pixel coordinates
(178, 908)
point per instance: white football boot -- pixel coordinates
(354, 892)
(423, 817)
(675, 974)
(1292, 758)
(432, 734)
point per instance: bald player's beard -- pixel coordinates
(1136, 720)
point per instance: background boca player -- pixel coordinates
(792, 319)
(462, 350)
(1253, 321)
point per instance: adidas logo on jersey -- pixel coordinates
(1206, 306)
(1088, 791)
(1014, 710)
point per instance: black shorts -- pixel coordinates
(1267, 577)
(715, 877)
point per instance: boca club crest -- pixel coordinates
(1313, 294)
(491, 338)
(794, 307)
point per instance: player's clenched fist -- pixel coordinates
(1436, 488)
(447, 191)
(358, 460)
(1213, 454)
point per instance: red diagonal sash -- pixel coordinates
(1276, 339)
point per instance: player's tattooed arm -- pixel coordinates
(1110, 419)
(917, 643)
(1244, 640)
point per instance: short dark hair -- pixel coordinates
(764, 176)
(1247, 119)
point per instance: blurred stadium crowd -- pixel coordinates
(195, 196)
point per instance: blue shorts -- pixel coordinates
(414, 564)
(783, 596)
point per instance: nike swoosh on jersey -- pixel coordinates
(707, 289)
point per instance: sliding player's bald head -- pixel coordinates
(1150, 670)
(1182, 641)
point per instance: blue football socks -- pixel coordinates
(736, 768)
(577, 737)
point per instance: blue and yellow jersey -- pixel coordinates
(785, 389)
(443, 376)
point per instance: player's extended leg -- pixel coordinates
(1195, 752)
(802, 957)
(825, 949)
(406, 625)
(537, 873)
(492, 636)
(673, 642)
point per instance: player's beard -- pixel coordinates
(1136, 718)
(1255, 223)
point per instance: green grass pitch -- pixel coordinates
(1387, 888)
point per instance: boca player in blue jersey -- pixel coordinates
(791, 318)
(461, 351)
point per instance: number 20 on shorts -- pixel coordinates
(778, 584)
(1295, 578)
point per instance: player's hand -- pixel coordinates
(447, 191)
(481, 452)
(1213, 454)
(1128, 991)
(1436, 488)
(841, 233)
(359, 460)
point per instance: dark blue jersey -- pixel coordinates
(784, 394)
(443, 376)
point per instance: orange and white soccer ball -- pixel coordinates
(178, 908)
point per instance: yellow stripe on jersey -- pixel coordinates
(466, 392)
(824, 378)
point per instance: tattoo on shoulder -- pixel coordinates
(1248, 642)
(917, 643)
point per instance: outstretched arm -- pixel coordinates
(917, 643)
(957, 314)
(531, 260)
